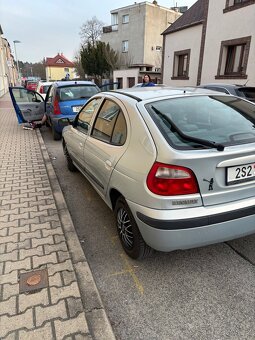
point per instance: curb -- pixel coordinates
(98, 322)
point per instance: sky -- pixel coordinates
(48, 27)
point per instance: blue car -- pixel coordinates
(64, 99)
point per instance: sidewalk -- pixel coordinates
(47, 290)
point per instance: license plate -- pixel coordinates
(242, 173)
(76, 108)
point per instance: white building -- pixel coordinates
(135, 33)
(212, 42)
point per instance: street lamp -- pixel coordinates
(16, 57)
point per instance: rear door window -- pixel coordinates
(110, 125)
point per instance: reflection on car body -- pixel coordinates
(177, 166)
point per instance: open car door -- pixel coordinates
(29, 105)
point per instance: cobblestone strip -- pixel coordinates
(32, 238)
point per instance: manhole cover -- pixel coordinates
(31, 281)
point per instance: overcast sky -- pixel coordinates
(48, 27)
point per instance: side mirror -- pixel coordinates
(64, 122)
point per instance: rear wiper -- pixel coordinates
(174, 128)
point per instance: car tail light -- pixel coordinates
(170, 180)
(56, 107)
(41, 89)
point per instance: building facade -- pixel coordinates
(212, 42)
(8, 69)
(135, 33)
(59, 67)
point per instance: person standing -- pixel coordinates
(147, 81)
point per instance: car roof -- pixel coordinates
(73, 82)
(154, 92)
(224, 85)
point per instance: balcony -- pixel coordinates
(109, 29)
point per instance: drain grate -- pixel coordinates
(33, 281)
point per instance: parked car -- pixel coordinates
(42, 87)
(247, 92)
(31, 85)
(64, 99)
(177, 166)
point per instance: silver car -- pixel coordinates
(177, 166)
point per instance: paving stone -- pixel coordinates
(49, 248)
(9, 278)
(10, 323)
(8, 306)
(35, 299)
(75, 306)
(42, 333)
(46, 259)
(23, 253)
(55, 280)
(78, 324)
(64, 292)
(6, 239)
(43, 240)
(50, 312)
(12, 256)
(56, 231)
(26, 244)
(22, 264)
(40, 226)
(31, 235)
(16, 230)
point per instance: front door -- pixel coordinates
(29, 105)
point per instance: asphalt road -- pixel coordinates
(205, 293)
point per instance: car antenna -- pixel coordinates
(184, 91)
(246, 82)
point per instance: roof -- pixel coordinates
(157, 92)
(59, 61)
(195, 15)
(74, 82)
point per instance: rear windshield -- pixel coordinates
(77, 92)
(45, 88)
(225, 120)
(248, 92)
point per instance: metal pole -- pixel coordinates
(16, 57)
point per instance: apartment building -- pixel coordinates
(135, 32)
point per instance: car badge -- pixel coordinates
(210, 183)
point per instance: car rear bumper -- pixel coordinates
(169, 230)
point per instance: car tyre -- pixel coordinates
(71, 167)
(129, 234)
(56, 135)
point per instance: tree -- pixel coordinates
(78, 65)
(94, 62)
(91, 31)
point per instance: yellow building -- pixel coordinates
(59, 67)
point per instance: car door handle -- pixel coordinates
(108, 164)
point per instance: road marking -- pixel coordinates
(128, 269)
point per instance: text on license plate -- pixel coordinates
(76, 108)
(242, 173)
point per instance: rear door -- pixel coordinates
(29, 105)
(106, 143)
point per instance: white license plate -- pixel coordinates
(76, 108)
(242, 173)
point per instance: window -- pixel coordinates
(233, 58)
(125, 19)
(236, 4)
(66, 69)
(110, 124)
(125, 46)
(181, 64)
(84, 118)
(114, 21)
(158, 48)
